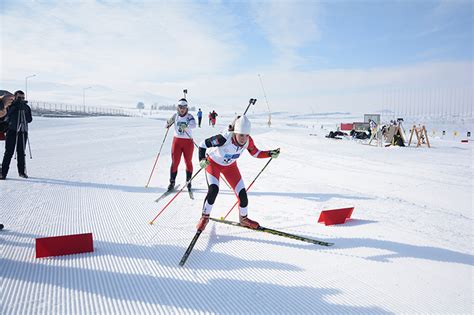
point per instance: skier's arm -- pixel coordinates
(170, 121)
(191, 122)
(255, 152)
(214, 141)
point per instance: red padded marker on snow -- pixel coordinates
(335, 216)
(64, 245)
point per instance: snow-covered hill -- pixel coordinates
(408, 248)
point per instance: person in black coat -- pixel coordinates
(18, 117)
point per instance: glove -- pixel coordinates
(204, 163)
(183, 126)
(169, 122)
(274, 153)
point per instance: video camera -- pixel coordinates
(19, 104)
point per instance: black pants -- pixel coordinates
(19, 139)
(199, 121)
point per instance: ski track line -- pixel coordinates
(395, 300)
(388, 216)
(375, 294)
(282, 277)
(408, 203)
(257, 274)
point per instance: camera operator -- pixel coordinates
(18, 117)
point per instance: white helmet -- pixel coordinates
(242, 125)
(183, 103)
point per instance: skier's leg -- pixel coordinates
(213, 173)
(232, 174)
(175, 159)
(10, 143)
(188, 150)
(20, 152)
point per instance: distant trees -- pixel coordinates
(155, 106)
(173, 107)
(167, 107)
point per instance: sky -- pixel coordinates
(310, 55)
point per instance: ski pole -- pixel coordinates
(247, 188)
(27, 138)
(176, 195)
(157, 156)
(251, 102)
(29, 146)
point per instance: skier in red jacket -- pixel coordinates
(182, 142)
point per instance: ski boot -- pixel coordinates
(244, 221)
(172, 181)
(189, 175)
(202, 222)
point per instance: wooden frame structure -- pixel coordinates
(421, 136)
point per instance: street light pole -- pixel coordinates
(84, 97)
(26, 84)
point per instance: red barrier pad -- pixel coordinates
(347, 126)
(2, 136)
(64, 245)
(336, 216)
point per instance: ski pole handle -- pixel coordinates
(252, 101)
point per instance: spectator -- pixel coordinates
(199, 114)
(213, 118)
(18, 117)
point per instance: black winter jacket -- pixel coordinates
(13, 114)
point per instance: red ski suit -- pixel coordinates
(223, 153)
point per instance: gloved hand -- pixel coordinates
(274, 153)
(169, 122)
(183, 126)
(204, 163)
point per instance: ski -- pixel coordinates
(190, 248)
(167, 193)
(277, 232)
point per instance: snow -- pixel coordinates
(408, 248)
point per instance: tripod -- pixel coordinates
(22, 129)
